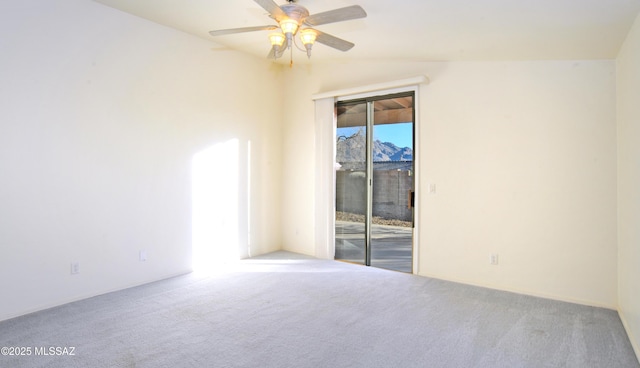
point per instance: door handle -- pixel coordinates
(411, 199)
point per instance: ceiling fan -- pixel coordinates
(293, 19)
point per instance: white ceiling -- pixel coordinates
(418, 30)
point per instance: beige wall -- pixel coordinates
(101, 114)
(523, 156)
(628, 88)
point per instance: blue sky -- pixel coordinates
(399, 134)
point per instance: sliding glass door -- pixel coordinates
(375, 181)
(351, 182)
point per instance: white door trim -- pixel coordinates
(325, 126)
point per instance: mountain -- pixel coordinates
(352, 149)
(387, 151)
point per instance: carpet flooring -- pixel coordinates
(285, 310)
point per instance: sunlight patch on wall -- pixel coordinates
(215, 206)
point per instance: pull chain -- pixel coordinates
(291, 58)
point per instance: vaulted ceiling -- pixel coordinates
(418, 30)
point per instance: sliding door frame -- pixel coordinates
(324, 173)
(370, 98)
(369, 124)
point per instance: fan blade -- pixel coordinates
(333, 41)
(273, 54)
(222, 32)
(272, 8)
(337, 15)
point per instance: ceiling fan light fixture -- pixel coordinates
(277, 39)
(308, 37)
(289, 26)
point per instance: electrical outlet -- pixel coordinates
(143, 256)
(75, 268)
(493, 259)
